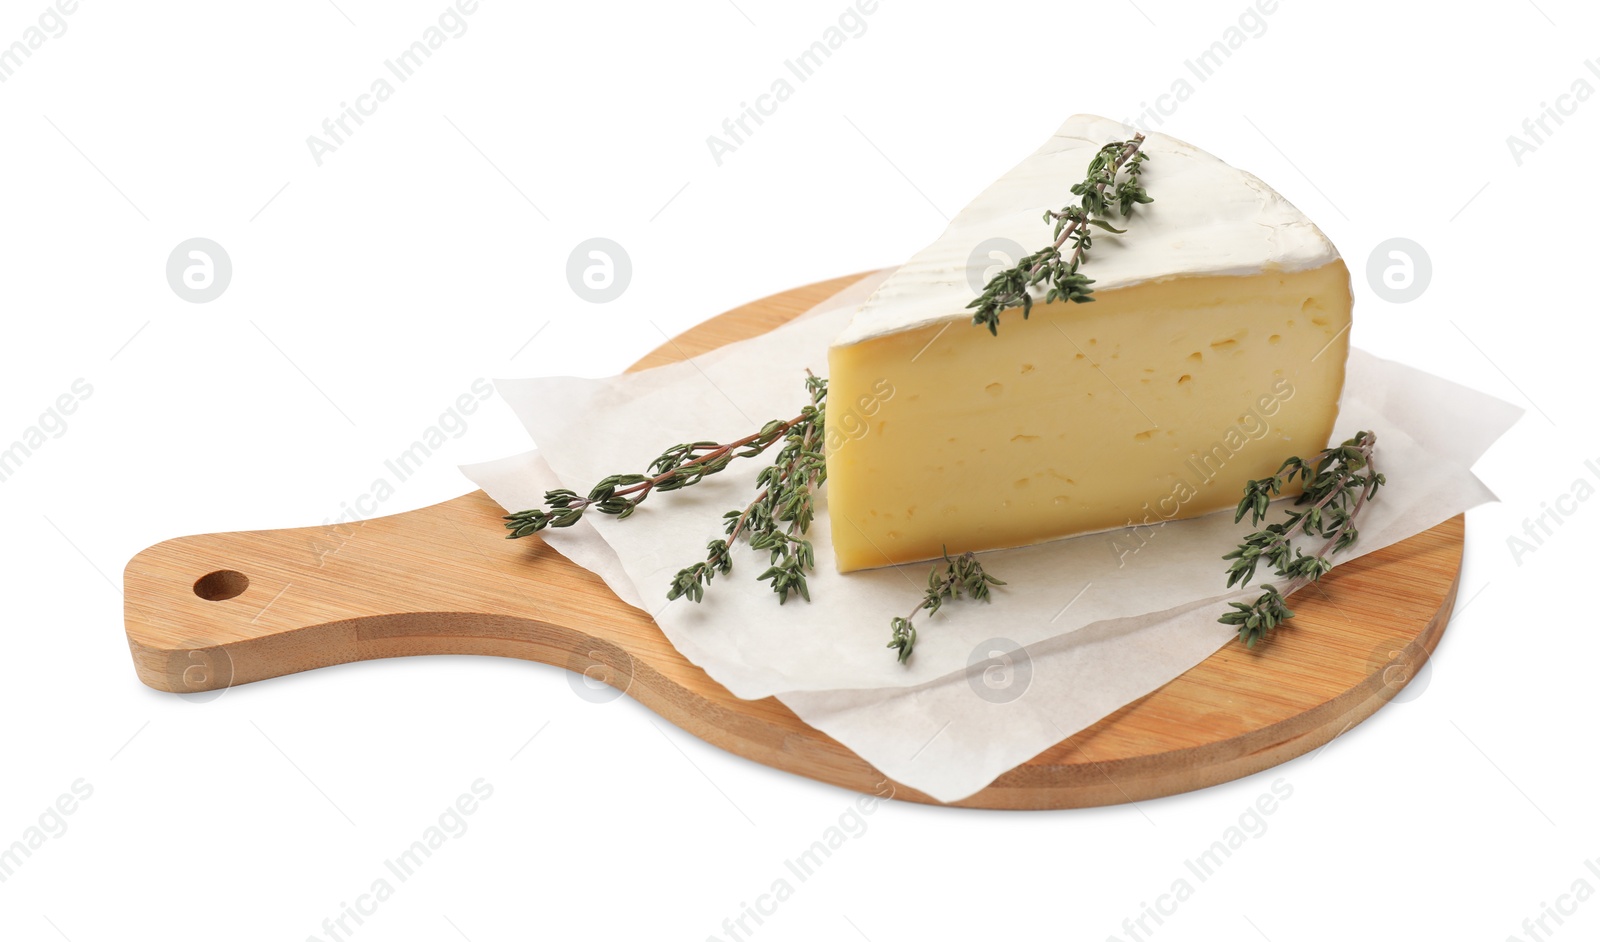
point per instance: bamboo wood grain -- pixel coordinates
(443, 580)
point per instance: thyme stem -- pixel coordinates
(1099, 193)
(962, 576)
(1339, 483)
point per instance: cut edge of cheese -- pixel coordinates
(1191, 373)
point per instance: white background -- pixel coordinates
(370, 291)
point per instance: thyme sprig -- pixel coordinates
(1337, 484)
(678, 467)
(779, 516)
(962, 576)
(1098, 193)
(776, 520)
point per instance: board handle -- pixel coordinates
(208, 612)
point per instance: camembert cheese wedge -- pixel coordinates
(1214, 348)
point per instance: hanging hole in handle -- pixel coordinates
(221, 585)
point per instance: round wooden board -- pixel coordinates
(443, 580)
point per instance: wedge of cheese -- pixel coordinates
(1214, 348)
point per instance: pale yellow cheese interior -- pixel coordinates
(1153, 402)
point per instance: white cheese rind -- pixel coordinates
(1208, 218)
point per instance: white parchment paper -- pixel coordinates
(1081, 629)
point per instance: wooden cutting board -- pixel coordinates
(207, 612)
